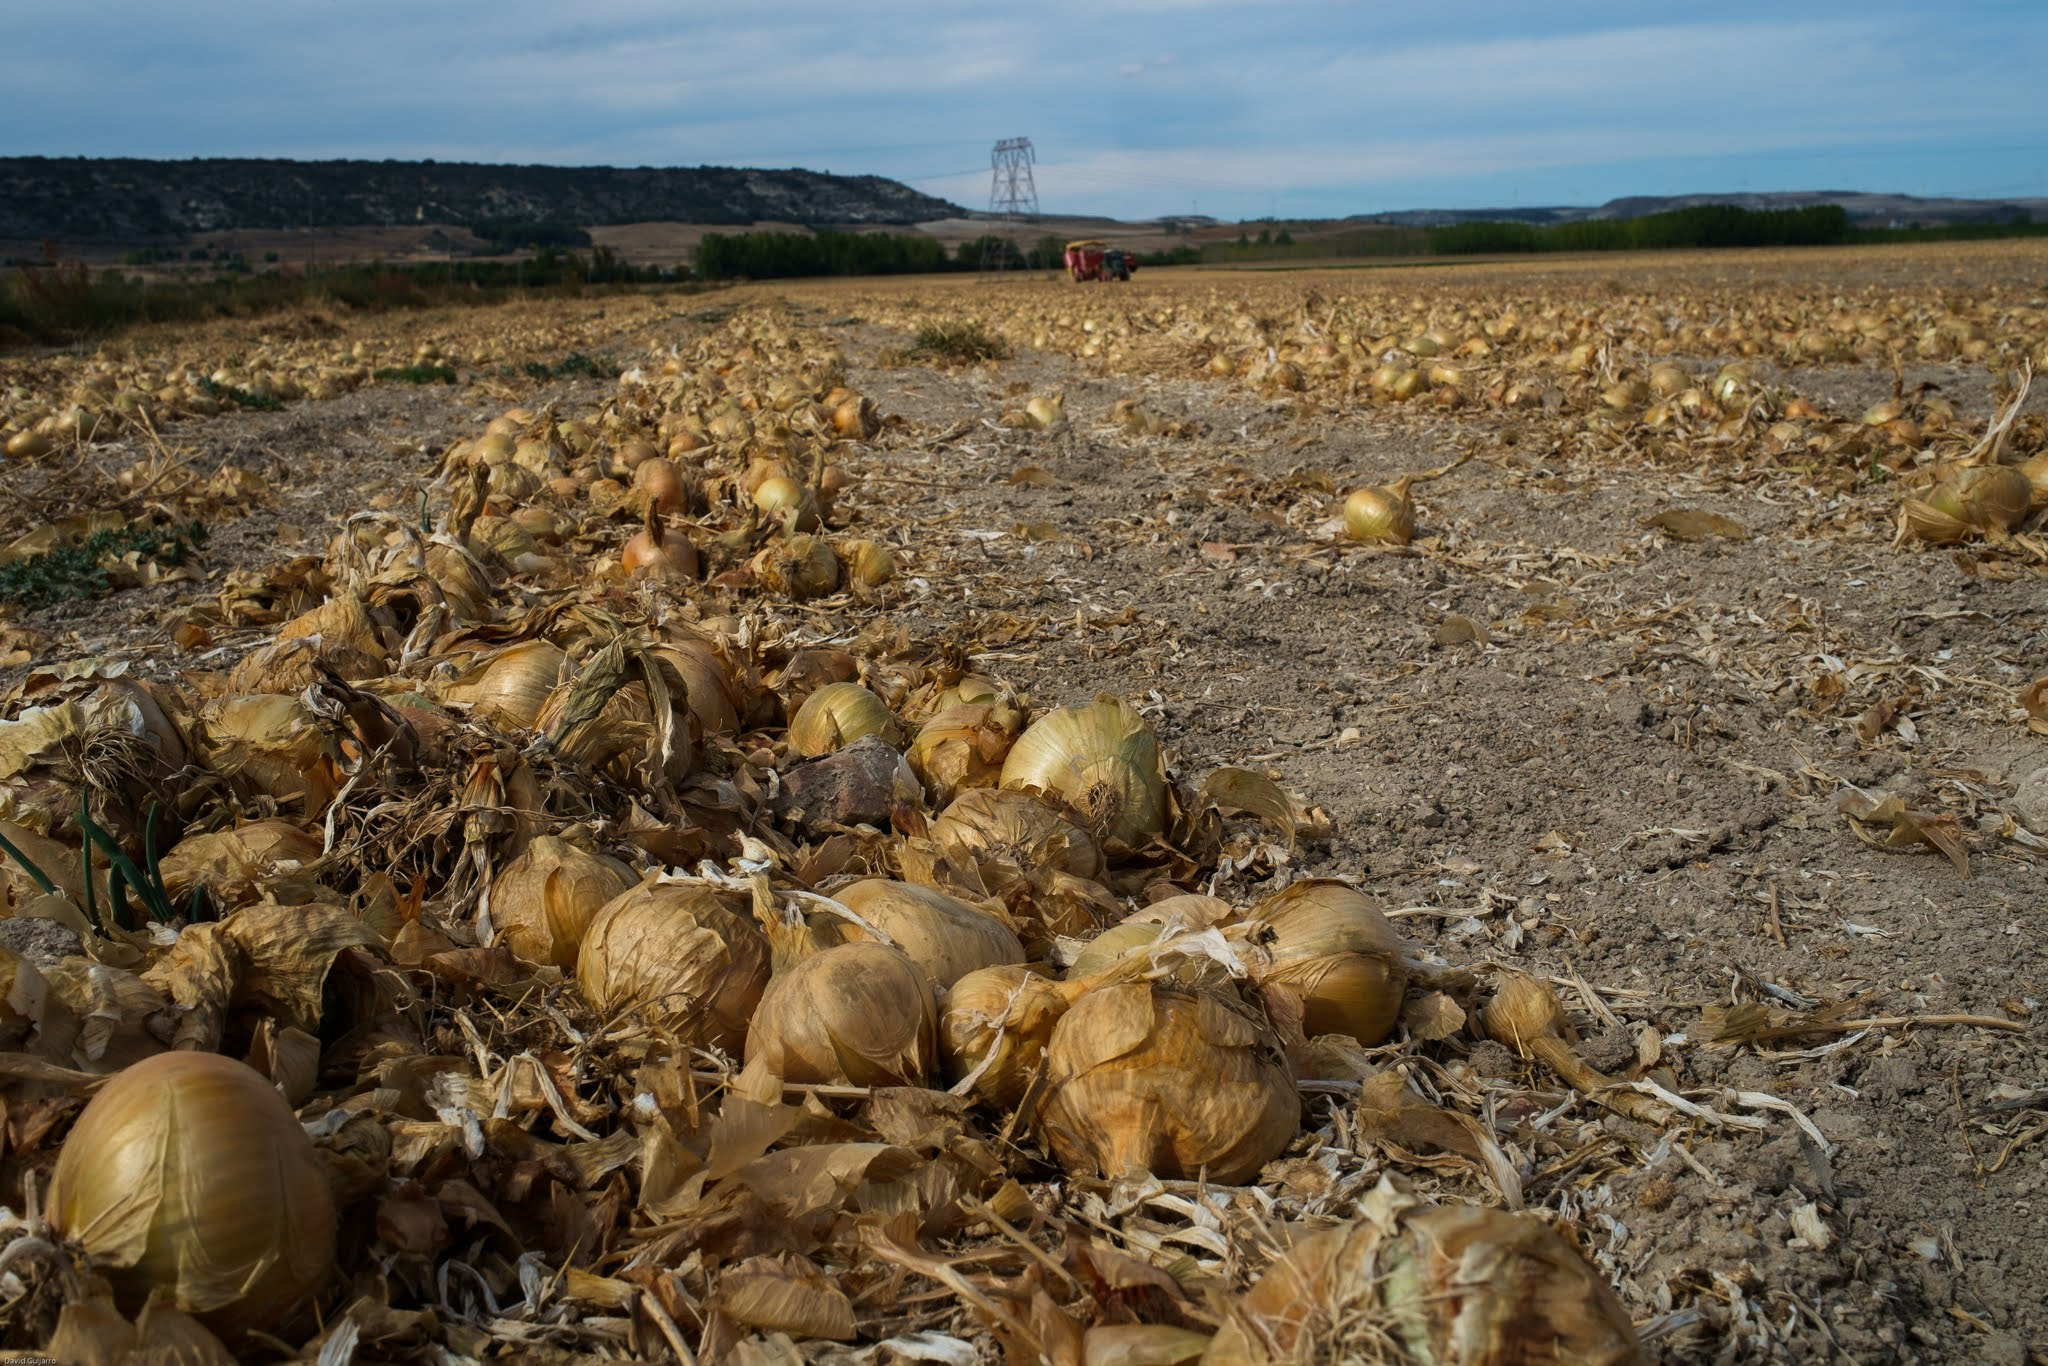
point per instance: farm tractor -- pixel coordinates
(1092, 260)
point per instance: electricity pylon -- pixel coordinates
(1012, 200)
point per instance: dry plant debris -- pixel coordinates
(762, 866)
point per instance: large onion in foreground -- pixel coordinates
(189, 1175)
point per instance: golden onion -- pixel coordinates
(1101, 758)
(542, 903)
(869, 564)
(1149, 1078)
(787, 502)
(189, 1176)
(1334, 949)
(995, 1026)
(859, 1013)
(682, 956)
(651, 551)
(509, 687)
(1975, 500)
(237, 866)
(663, 484)
(838, 714)
(944, 936)
(799, 567)
(1381, 514)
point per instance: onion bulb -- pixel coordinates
(663, 484)
(1974, 500)
(1334, 949)
(944, 936)
(869, 564)
(1103, 760)
(653, 553)
(1439, 1284)
(783, 500)
(800, 567)
(543, 901)
(1149, 1078)
(677, 952)
(995, 1027)
(963, 747)
(836, 715)
(188, 1175)
(860, 1014)
(1017, 830)
(1381, 514)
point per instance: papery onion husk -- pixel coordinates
(806, 672)
(238, 866)
(1103, 760)
(1016, 830)
(1334, 949)
(858, 1013)
(1433, 1286)
(1381, 514)
(270, 744)
(800, 567)
(189, 1175)
(667, 491)
(964, 747)
(1137, 938)
(836, 715)
(1143, 1077)
(714, 697)
(680, 956)
(542, 902)
(869, 564)
(943, 935)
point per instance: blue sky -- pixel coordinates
(1293, 108)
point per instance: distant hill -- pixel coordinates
(127, 200)
(1864, 210)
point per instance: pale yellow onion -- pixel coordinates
(1334, 949)
(270, 744)
(784, 500)
(868, 564)
(542, 903)
(188, 1174)
(859, 1013)
(838, 714)
(1103, 760)
(1146, 1078)
(943, 935)
(1974, 500)
(509, 687)
(237, 866)
(678, 955)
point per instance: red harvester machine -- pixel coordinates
(1089, 259)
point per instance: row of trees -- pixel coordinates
(1703, 225)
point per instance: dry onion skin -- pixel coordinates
(188, 1175)
(542, 903)
(679, 954)
(964, 746)
(1149, 1078)
(858, 1014)
(836, 715)
(1451, 1285)
(1334, 949)
(995, 1027)
(1102, 759)
(1976, 500)
(943, 935)
(1018, 828)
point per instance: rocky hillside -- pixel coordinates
(83, 199)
